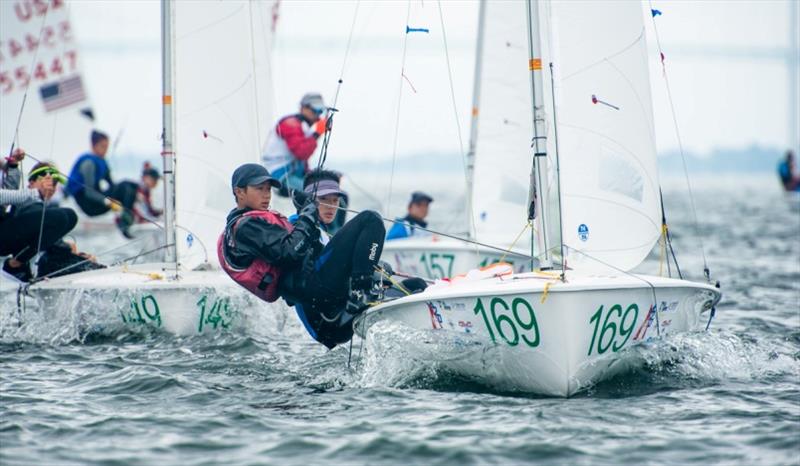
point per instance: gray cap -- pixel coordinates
(418, 197)
(252, 174)
(313, 100)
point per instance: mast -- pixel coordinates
(476, 99)
(538, 184)
(168, 121)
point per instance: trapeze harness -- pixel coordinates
(260, 277)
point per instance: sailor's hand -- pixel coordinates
(87, 256)
(309, 211)
(16, 157)
(299, 199)
(114, 205)
(320, 126)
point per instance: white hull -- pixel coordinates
(508, 336)
(435, 257)
(198, 302)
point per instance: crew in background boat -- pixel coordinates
(62, 257)
(293, 142)
(28, 224)
(324, 184)
(143, 209)
(329, 285)
(95, 192)
(786, 170)
(417, 211)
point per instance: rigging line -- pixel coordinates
(346, 52)
(503, 257)
(397, 118)
(119, 262)
(326, 137)
(52, 145)
(446, 235)
(706, 271)
(558, 174)
(458, 123)
(28, 84)
(41, 226)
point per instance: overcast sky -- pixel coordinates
(726, 64)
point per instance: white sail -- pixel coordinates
(503, 140)
(609, 182)
(39, 54)
(222, 99)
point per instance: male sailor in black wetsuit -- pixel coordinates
(263, 252)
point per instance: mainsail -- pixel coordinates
(602, 122)
(39, 55)
(223, 96)
(609, 192)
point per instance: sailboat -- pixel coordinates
(216, 92)
(46, 107)
(594, 201)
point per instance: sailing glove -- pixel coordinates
(309, 211)
(320, 126)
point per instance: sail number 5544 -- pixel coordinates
(520, 324)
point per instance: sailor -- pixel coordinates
(24, 230)
(95, 192)
(328, 284)
(60, 257)
(143, 209)
(293, 142)
(786, 171)
(417, 211)
(323, 185)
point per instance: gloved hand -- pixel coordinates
(309, 211)
(305, 232)
(114, 206)
(299, 199)
(320, 126)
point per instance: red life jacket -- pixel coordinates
(260, 277)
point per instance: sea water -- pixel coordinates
(269, 395)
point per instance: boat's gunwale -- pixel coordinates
(512, 285)
(140, 278)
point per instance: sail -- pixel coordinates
(502, 141)
(39, 55)
(222, 99)
(609, 182)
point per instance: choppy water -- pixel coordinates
(271, 396)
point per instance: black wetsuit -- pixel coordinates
(314, 278)
(19, 232)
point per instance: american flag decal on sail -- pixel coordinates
(62, 93)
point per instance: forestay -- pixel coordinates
(39, 53)
(609, 192)
(223, 96)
